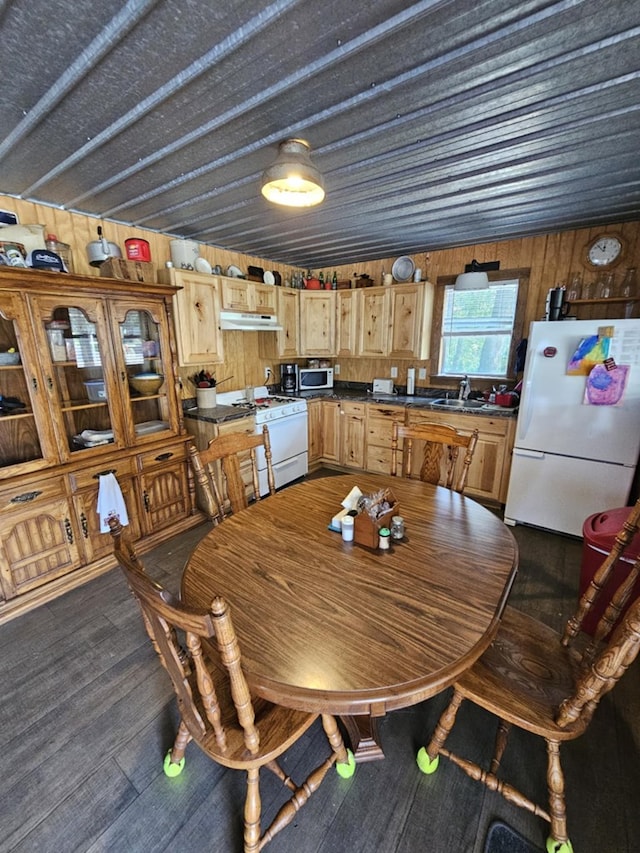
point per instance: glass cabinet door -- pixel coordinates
(26, 432)
(75, 340)
(144, 361)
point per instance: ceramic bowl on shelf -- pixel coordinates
(146, 383)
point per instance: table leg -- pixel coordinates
(362, 732)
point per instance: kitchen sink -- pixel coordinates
(460, 404)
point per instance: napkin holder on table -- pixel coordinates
(366, 529)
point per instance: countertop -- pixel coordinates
(222, 414)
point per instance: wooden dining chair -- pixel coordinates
(440, 453)
(548, 684)
(216, 708)
(218, 472)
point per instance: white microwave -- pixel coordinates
(314, 378)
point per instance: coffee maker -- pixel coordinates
(556, 307)
(289, 378)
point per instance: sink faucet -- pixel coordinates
(465, 388)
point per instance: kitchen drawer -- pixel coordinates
(17, 497)
(353, 409)
(90, 476)
(460, 420)
(241, 425)
(167, 455)
(379, 460)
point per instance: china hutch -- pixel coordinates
(72, 409)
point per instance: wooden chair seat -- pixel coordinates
(217, 710)
(501, 681)
(440, 447)
(548, 683)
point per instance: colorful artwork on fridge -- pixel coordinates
(606, 387)
(590, 351)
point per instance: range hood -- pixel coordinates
(241, 322)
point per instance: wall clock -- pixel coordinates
(604, 252)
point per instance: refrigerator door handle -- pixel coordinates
(532, 454)
(526, 411)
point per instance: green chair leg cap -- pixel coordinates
(554, 846)
(426, 764)
(346, 769)
(171, 769)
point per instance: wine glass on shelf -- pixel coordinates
(587, 291)
(574, 290)
(628, 290)
(604, 286)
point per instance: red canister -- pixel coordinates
(137, 249)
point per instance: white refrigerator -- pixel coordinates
(578, 434)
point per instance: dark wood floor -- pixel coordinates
(87, 715)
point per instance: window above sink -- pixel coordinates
(476, 332)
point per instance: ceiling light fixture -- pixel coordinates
(475, 276)
(292, 179)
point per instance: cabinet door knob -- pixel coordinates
(68, 530)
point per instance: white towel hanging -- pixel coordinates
(110, 502)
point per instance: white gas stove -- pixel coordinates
(266, 407)
(286, 419)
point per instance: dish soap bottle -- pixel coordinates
(63, 249)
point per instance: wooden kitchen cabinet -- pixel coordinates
(197, 304)
(347, 316)
(331, 431)
(81, 340)
(164, 486)
(352, 434)
(379, 428)
(285, 342)
(314, 428)
(317, 322)
(39, 535)
(375, 322)
(96, 544)
(27, 439)
(248, 296)
(411, 308)
(489, 472)
(341, 439)
(385, 322)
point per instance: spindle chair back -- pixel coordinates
(441, 446)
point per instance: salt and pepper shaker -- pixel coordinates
(347, 526)
(397, 527)
(384, 536)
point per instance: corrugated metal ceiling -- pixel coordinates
(435, 124)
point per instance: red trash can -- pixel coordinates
(599, 532)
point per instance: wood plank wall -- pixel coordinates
(552, 259)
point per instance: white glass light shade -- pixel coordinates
(292, 179)
(472, 281)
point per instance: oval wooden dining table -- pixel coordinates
(331, 626)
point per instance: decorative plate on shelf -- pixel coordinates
(403, 268)
(269, 278)
(202, 265)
